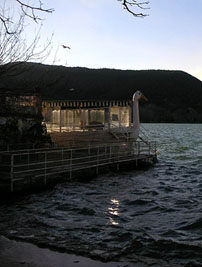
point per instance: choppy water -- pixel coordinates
(152, 216)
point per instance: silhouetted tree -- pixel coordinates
(132, 5)
(14, 47)
(27, 10)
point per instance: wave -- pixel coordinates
(167, 249)
(138, 202)
(197, 225)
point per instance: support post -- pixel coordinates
(120, 116)
(60, 121)
(74, 120)
(83, 119)
(109, 118)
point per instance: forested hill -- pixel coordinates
(174, 96)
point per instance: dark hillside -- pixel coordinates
(174, 96)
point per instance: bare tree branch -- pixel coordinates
(30, 11)
(130, 5)
(5, 22)
(14, 46)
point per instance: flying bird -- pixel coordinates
(64, 46)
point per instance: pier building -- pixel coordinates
(89, 136)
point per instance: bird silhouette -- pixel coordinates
(64, 46)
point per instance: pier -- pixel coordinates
(27, 168)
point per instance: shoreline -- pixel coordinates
(17, 254)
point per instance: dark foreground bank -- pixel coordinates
(18, 254)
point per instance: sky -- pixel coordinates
(101, 34)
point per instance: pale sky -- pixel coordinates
(102, 34)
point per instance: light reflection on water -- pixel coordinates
(114, 210)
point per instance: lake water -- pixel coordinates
(151, 216)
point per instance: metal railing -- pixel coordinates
(22, 147)
(22, 165)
